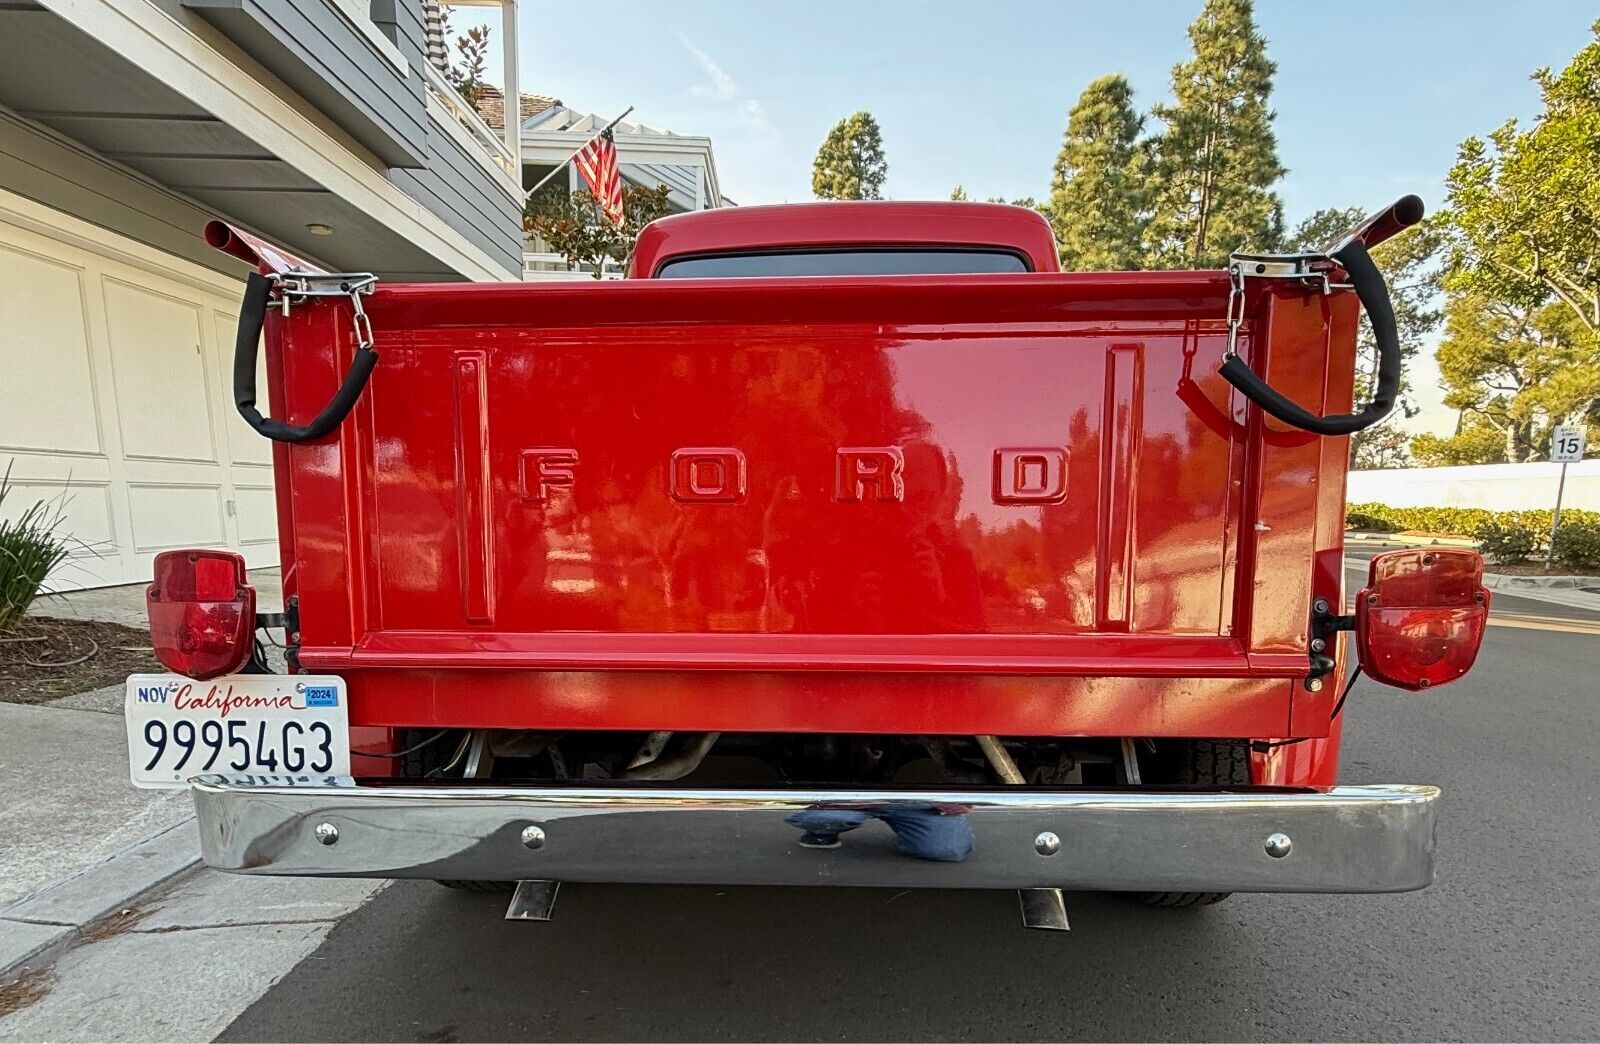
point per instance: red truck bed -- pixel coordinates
(1022, 505)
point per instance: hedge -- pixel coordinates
(1455, 521)
(1505, 536)
(1578, 544)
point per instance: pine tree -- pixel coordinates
(1097, 195)
(850, 163)
(1216, 160)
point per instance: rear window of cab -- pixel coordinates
(844, 262)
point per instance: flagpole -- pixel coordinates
(563, 164)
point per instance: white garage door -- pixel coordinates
(115, 365)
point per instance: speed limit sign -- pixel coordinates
(1566, 444)
(1566, 447)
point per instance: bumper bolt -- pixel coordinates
(1278, 845)
(325, 833)
(533, 836)
(1047, 844)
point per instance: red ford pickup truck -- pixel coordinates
(839, 544)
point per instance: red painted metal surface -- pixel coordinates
(867, 224)
(1022, 505)
(267, 258)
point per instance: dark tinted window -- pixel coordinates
(844, 262)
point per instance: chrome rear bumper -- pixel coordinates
(1348, 839)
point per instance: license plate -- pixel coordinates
(296, 726)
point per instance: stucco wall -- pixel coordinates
(1499, 487)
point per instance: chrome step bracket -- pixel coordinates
(533, 901)
(1044, 909)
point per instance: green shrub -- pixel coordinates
(1506, 540)
(1578, 543)
(1370, 523)
(30, 546)
(1455, 521)
(1451, 521)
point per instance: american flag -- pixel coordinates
(597, 162)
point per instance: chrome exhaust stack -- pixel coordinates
(1042, 908)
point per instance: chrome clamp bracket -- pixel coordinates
(294, 286)
(1309, 269)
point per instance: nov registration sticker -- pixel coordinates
(284, 725)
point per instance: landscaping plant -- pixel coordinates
(573, 226)
(1507, 537)
(31, 545)
(1457, 521)
(1578, 543)
(1506, 541)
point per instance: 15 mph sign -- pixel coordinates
(1566, 444)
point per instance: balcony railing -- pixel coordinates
(540, 261)
(462, 120)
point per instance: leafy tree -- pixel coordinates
(959, 195)
(1515, 370)
(465, 69)
(1522, 346)
(1476, 441)
(1027, 203)
(1216, 159)
(575, 228)
(1097, 194)
(1409, 264)
(1380, 446)
(1525, 204)
(850, 163)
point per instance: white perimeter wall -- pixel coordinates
(1498, 487)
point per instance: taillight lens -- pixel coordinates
(202, 612)
(1420, 619)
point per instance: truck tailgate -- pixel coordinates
(947, 504)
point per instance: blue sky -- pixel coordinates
(1372, 98)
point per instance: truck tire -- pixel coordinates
(1210, 763)
(416, 765)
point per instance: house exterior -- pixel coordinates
(124, 126)
(646, 156)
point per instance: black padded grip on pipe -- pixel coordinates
(252, 315)
(1373, 293)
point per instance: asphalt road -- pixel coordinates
(1506, 946)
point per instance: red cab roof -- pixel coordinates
(875, 223)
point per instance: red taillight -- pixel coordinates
(202, 612)
(1420, 619)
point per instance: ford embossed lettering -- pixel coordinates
(704, 475)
